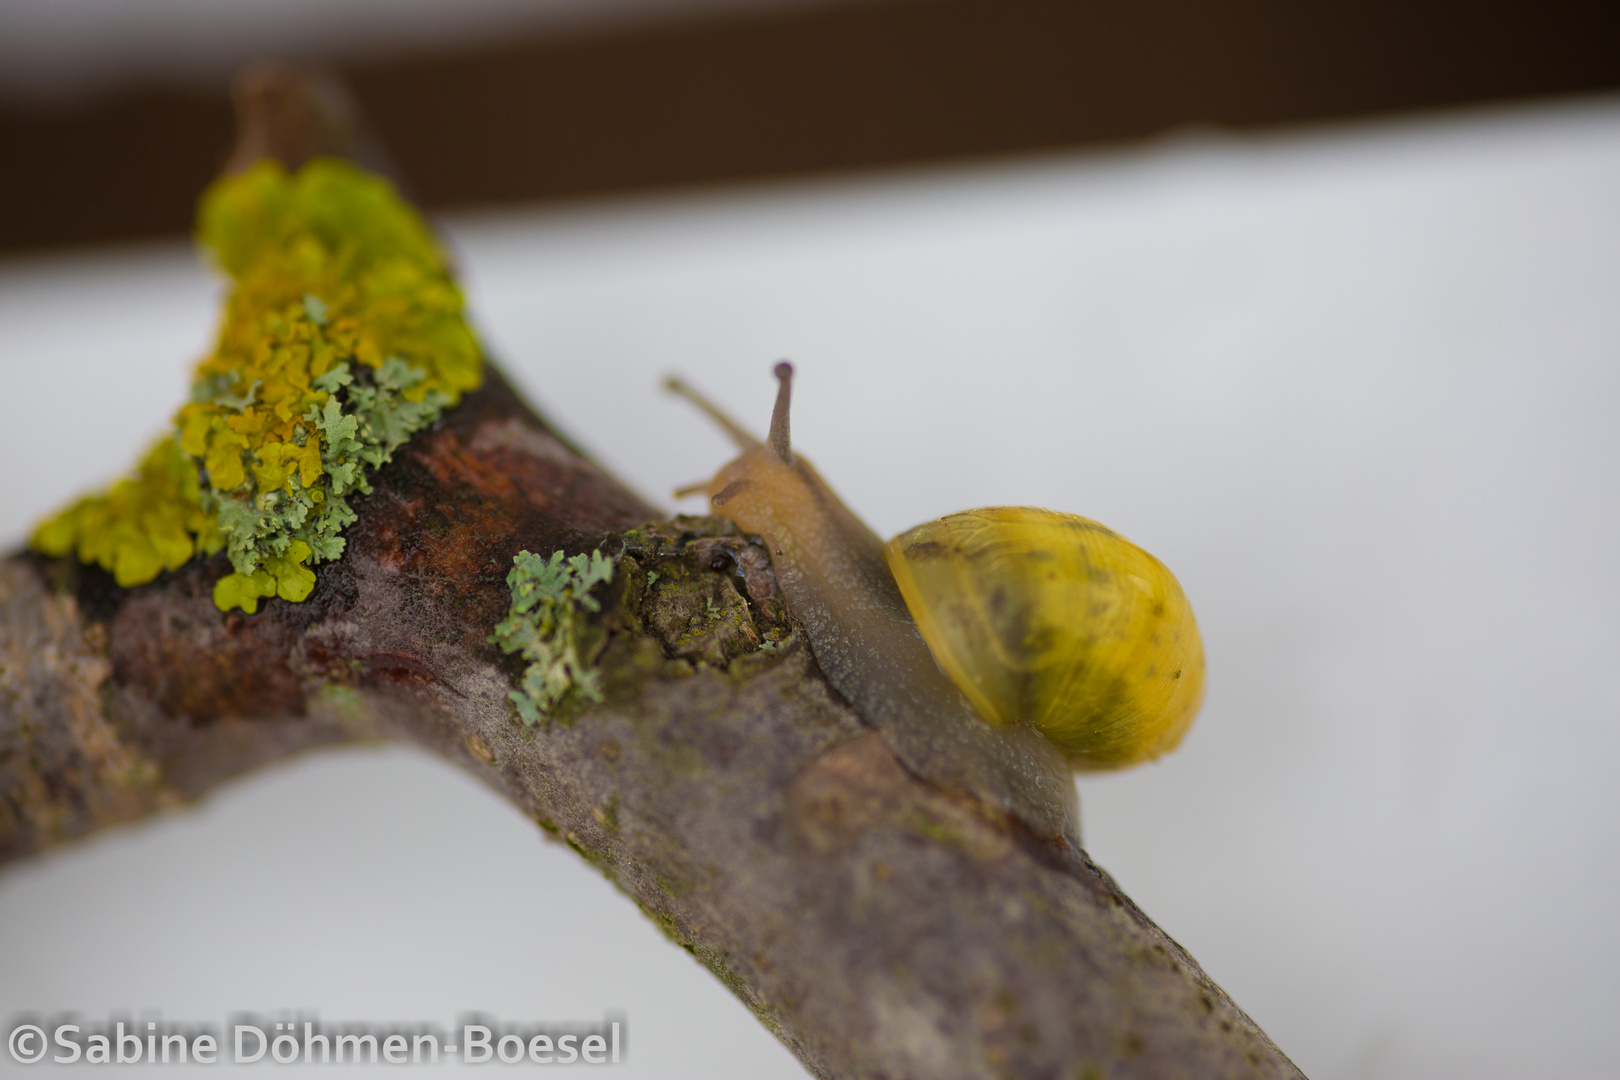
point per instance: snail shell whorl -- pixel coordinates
(1060, 622)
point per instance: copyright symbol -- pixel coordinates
(22, 1038)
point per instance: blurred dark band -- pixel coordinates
(817, 90)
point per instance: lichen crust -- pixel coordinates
(546, 624)
(343, 334)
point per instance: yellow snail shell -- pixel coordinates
(1057, 621)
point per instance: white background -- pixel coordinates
(1357, 388)
(65, 49)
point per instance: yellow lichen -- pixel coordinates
(143, 525)
(342, 335)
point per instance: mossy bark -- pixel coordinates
(880, 926)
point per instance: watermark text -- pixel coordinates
(301, 1039)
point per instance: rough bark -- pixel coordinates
(878, 925)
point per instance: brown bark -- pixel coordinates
(880, 926)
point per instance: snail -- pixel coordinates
(997, 650)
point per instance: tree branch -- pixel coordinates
(878, 925)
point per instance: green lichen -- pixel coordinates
(546, 622)
(342, 336)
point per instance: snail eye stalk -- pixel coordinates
(736, 431)
(781, 445)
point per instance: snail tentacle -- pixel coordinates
(736, 431)
(780, 443)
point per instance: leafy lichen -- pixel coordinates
(545, 623)
(142, 525)
(342, 336)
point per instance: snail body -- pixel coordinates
(961, 639)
